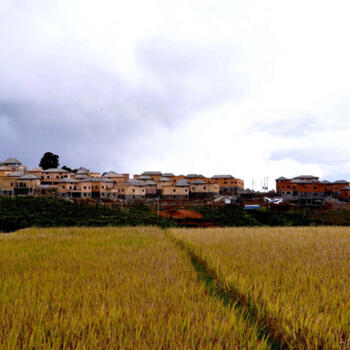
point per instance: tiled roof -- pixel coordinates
(341, 182)
(36, 169)
(151, 173)
(306, 177)
(182, 183)
(82, 170)
(150, 183)
(112, 174)
(164, 179)
(194, 175)
(222, 177)
(67, 180)
(198, 182)
(55, 170)
(144, 177)
(135, 182)
(12, 161)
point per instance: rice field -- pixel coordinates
(296, 281)
(110, 288)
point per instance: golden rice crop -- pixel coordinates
(109, 288)
(297, 278)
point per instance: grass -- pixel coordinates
(295, 281)
(110, 288)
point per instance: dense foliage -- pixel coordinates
(22, 212)
(237, 216)
(49, 160)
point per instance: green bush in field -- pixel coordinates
(22, 212)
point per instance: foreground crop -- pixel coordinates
(108, 288)
(295, 281)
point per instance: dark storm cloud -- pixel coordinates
(67, 102)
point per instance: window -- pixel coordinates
(103, 187)
(315, 187)
(63, 187)
(48, 176)
(57, 177)
(186, 190)
(133, 189)
(42, 177)
(193, 188)
(174, 190)
(204, 188)
(84, 187)
(70, 187)
(225, 182)
(231, 182)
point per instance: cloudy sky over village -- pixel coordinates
(251, 88)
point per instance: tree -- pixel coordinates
(49, 160)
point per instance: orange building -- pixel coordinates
(228, 184)
(308, 186)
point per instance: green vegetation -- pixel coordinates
(22, 212)
(49, 160)
(237, 216)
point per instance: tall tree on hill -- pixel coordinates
(49, 160)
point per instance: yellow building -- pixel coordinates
(27, 184)
(132, 189)
(115, 177)
(52, 176)
(199, 188)
(180, 190)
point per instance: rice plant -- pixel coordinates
(296, 280)
(109, 288)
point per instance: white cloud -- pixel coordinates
(199, 86)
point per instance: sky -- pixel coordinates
(256, 89)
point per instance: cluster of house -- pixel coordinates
(309, 190)
(15, 179)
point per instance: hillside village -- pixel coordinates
(16, 179)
